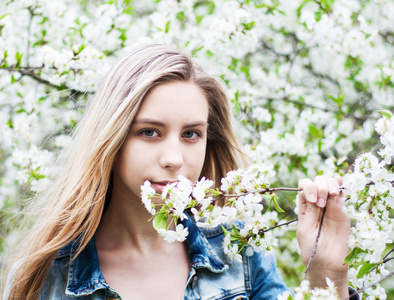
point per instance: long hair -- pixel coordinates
(76, 201)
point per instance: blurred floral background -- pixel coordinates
(308, 81)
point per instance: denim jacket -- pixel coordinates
(211, 275)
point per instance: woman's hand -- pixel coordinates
(332, 247)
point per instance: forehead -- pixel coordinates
(175, 100)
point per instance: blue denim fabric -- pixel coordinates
(211, 275)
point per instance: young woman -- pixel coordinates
(158, 115)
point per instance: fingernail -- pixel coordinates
(334, 190)
(320, 202)
(312, 198)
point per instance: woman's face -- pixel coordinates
(167, 138)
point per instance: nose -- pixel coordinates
(172, 155)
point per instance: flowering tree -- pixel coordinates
(307, 80)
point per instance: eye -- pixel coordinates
(149, 132)
(192, 134)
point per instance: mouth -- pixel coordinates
(160, 185)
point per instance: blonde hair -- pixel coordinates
(76, 203)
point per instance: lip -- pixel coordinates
(160, 185)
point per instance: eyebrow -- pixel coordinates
(158, 123)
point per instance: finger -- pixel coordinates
(309, 213)
(309, 192)
(339, 197)
(339, 179)
(322, 186)
(333, 187)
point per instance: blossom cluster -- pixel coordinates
(245, 191)
(369, 193)
(304, 292)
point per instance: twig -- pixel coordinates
(387, 259)
(262, 231)
(388, 253)
(316, 242)
(264, 191)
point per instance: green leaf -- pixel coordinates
(80, 49)
(225, 231)
(249, 26)
(44, 19)
(35, 175)
(10, 124)
(181, 17)
(216, 193)
(319, 145)
(18, 57)
(129, 10)
(235, 236)
(41, 99)
(338, 100)
(352, 255)
(21, 110)
(199, 19)
(318, 15)
(160, 220)
(167, 29)
(123, 34)
(276, 204)
(314, 131)
(385, 113)
(194, 51)
(365, 269)
(2, 16)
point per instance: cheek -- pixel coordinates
(196, 161)
(127, 159)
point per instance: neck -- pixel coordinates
(126, 223)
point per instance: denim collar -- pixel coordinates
(85, 277)
(201, 254)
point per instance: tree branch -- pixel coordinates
(301, 103)
(30, 72)
(316, 242)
